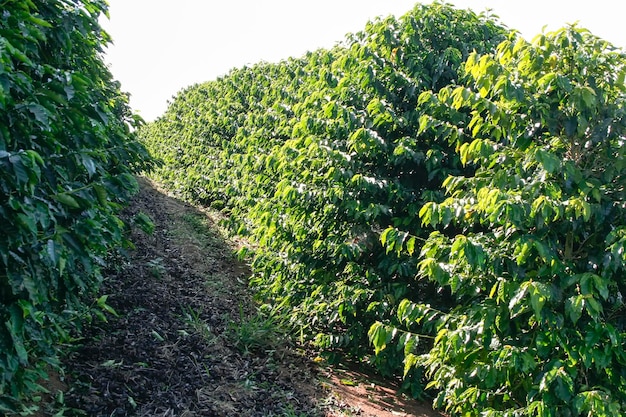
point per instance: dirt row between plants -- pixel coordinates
(188, 340)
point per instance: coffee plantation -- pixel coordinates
(435, 196)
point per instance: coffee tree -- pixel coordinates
(67, 156)
(531, 247)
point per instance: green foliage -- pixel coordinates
(489, 167)
(530, 247)
(315, 157)
(256, 332)
(67, 156)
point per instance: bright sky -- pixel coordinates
(163, 46)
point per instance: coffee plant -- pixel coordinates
(67, 159)
(531, 246)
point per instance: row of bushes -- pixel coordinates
(67, 159)
(536, 265)
(491, 169)
(315, 156)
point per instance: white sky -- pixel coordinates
(163, 46)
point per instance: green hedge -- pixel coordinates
(490, 168)
(67, 155)
(532, 246)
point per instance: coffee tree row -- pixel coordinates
(531, 246)
(471, 156)
(67, 156)
(315, 156)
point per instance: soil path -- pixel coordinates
(188, 341)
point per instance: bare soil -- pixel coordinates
(188, 340)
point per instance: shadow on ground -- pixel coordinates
(187, 339)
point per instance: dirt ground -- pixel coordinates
(188, 339)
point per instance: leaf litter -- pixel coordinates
(188, 340)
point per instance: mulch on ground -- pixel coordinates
(183, 342)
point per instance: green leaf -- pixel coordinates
(539, 293)
(53, 252)
(601, 285)
(389, 239)
(594, 308)
(588, 95)
(19, 169)
(15, 325)
(410, 361)
(524, 253)
(574, 307)
(101, 194)
(102, 304)
(89, 164)
(41, 114)
(515, 305)
(67, 200)
(378, 336)
(144, 222)
(428, 214)
(27, 222)
(410, 245)
(550, 162)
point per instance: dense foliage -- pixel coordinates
(316, 156)
(67, 156)
(531, 246)
(490, 168)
